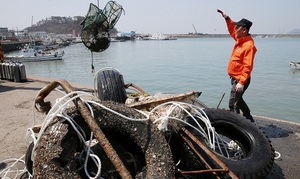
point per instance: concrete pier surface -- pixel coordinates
(16, 116)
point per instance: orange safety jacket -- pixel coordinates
(241, 61)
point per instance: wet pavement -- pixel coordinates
(285, 138)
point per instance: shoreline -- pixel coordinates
(277, 120)
(228, 36)
(9, 46)
(17, 116)
(91, 88)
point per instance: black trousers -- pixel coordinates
(236, 101)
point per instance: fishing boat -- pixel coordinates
(35, 55)
(37, 58)
(295, 65)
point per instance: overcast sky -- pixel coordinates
(163, 16)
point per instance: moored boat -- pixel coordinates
(295, 65)
(30, 54)
(47, 57)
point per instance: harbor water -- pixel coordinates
(200, 64)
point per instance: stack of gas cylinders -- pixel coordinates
(13, 71)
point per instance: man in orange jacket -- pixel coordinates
(240, 64)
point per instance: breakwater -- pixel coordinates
(15, 45)
(11, 46)
(191, 35)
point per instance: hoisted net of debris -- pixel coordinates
(97, 24)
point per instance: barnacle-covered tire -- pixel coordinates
(142, 148)
(258, 152)
(109, 84)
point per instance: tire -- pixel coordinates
(28, 161)
(258, 157)
(142, 148)
(110, 86)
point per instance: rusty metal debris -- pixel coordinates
(190, 137)
(146, 105)
(100, 136)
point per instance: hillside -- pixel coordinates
(59, 25)
(295, 31)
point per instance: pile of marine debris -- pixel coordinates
(149, 137)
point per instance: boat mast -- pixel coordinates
(31, 41)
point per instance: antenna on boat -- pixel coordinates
(31, 21)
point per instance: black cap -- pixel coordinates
(244, 23)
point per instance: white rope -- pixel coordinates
(51, 115)
(95, 158)
(60, 107)
(277, 155)
(34, 114)
(222, 146)
(197, 113)
(12, 168)
(121, 115)
(98, 162)
(58, 110)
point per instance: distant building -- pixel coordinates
(21, 34)
(6, 34)
(126, 35)
(38, 35)
(3, 30)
